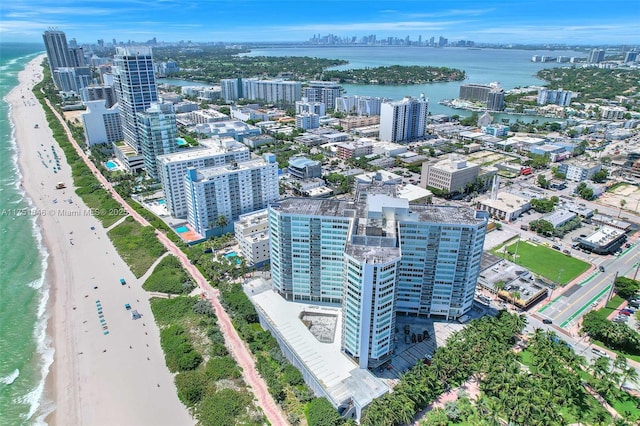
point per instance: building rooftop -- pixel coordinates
(453, 164)
(212, 172)
(301, 162)
(603, 236)
(339, 375)
(349, 209)
(559, 217)
(506, 202)
(208, 147)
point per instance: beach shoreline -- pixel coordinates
(96, 378)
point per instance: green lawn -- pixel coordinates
(137, 245)
(169, 277)
(544, 261)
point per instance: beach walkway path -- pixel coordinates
(237, 347)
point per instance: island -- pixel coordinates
(396, 74)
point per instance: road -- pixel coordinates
(591, 292)
(236, 346)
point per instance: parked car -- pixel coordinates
(547, 321)
(601, 268)
(600, 352)
(627, 310)
(625, 313)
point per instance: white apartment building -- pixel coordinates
(376, 256)
(306, 106)
(451, 175)
(231, 89)
(322, 91)
(252, 233)
(173, 167)
(272, 91)
(359, 105)
(405, 120)
(217, 196)
(307, 121)
(579, 171)
(101, 124)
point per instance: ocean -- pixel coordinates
(25, 349)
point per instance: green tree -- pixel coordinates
(600, 176)
(543, 182)
(320, 412)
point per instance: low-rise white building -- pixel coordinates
(252, 233)
(505, 206)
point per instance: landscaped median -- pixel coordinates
(552, 264)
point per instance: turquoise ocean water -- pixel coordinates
(25, 352)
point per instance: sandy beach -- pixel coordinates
(118, 378)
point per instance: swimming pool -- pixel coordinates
(162, 201)
(111, 165)
(182, 229)
(181, 142)
(231, 255)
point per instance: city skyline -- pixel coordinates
(571, 22)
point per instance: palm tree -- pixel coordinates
(515, 296)
(222, 221)
(623, 203)
(499, 286)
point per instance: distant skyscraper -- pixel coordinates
(135, 86)
(596, 56)
(631, 56)
(158, 132)
(55, 43)
(405, 120)
(495, 100)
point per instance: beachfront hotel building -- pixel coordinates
(172, 168)
(101, 124)
(376, 257)
(58, 54)
(227, 192)
(135, 85)
(158, 134)
(405, 120)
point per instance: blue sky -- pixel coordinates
(524, 21)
